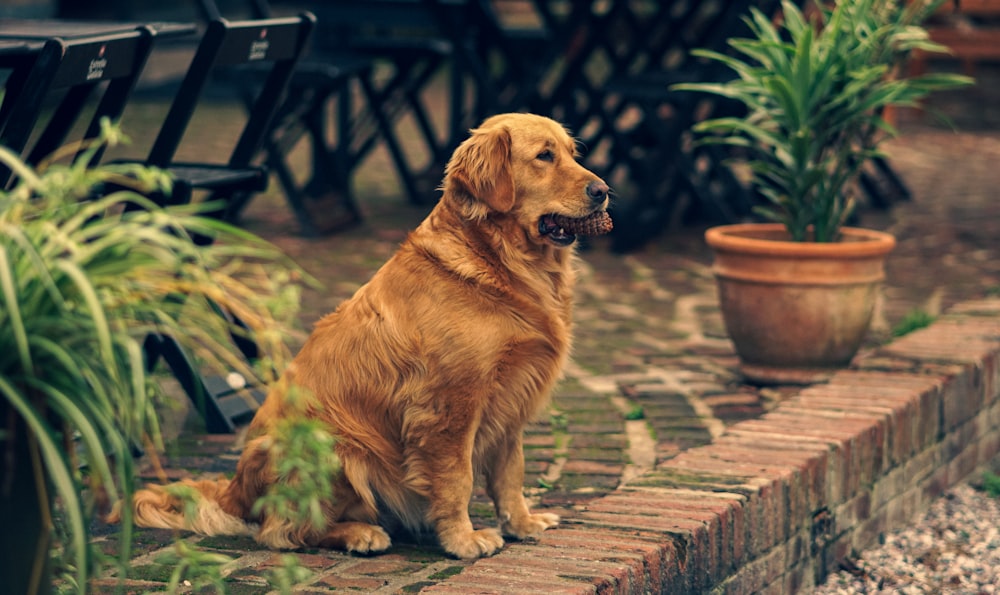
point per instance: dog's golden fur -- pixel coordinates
(430, 372)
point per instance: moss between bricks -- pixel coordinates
(481, 509)
(229, 542)
(159, 573)
(446, 573)
(675, 479)
(573, 482)
(416, 587)
(419, 554)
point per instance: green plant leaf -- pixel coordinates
(814, 93)
(59, 474)
(82, 284)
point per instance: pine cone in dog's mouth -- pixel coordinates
(594, 224)
(562, 229)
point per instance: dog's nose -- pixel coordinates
(597, 191)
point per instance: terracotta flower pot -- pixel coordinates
(796, 311)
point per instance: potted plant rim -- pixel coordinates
(797, 293)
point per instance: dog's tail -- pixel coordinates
(187, 505)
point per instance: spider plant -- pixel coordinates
(82, 282)
(815, 93)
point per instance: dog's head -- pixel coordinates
(522, 169)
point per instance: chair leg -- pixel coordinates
(328, 186)
(883, 185)
(389, 135)
(304, 117)
(216, 422)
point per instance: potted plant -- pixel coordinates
(82, 283)
(797, 293)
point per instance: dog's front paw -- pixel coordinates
(357, 537)
(530, 525)
(473, 544)
(367, 539)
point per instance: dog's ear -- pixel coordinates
(480, 169)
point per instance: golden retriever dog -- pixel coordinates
(429, 373)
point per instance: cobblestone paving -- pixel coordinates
(653, 372)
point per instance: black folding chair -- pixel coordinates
(280, 43)
(322, 199)
(648, 125)
(69, 73)
(406, 37)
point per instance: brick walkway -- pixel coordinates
(653, 376)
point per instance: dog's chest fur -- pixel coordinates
(520, 314)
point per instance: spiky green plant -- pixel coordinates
(82, 282)
(815, 93)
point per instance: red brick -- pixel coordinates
(541, 564)
(798, 474)
(889, 380)
(691, 538)
(770, 492)
(943, 342)
(757, 574)
(798, 579)
(849, 437)
(496, 585)
(989, 446)
(899, 417)
(811, 459)
(849, 514)
(963, 464)
(767, 433)
(592, 468)
(659, 557)
(866, 432)
(352, 584)
(729, 508)
(382, 565)
(766, 491)
(627, 569)
(963, 398)
(883, 387)
(717, 516)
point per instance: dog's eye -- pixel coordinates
(546, 155)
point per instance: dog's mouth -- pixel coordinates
(549, 228)
(562, 230)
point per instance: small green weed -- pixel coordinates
(199, 568)
(991, 484)
(635, 413)
(288, 574)
(914, 320)
(306, 466)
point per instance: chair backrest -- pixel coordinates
(275, 44)
(76, 69)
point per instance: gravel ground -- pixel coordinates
(953, 548)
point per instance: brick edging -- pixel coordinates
(773, 504)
